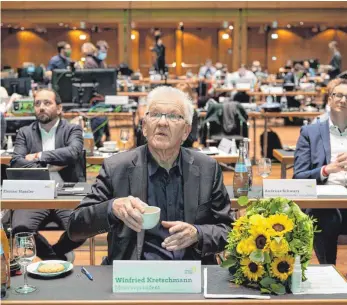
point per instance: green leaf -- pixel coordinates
(242, 200)
(277, 239)
(229, 262)
(278, 288)
(264, 290)
(267, 258)
(257, 256)
(266, 282)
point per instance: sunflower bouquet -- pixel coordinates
(263, 244)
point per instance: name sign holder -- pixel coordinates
(28, 189)
(156, 276)
(290, 188)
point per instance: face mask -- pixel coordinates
(68, 53)
(31, 69)
(102, 55)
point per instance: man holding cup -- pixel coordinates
(185, 186)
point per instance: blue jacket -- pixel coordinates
(312, 151)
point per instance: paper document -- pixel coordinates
(230, 296)
(323, 280)
(331, 190)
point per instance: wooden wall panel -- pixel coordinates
(291, 45)
(199, 45)
(256, 46)
(24, 46)
(224, 45)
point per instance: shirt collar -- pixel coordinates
(335, 130)
(153, 165)
(51, 130)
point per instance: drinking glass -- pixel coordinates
(25, 250)
(264, 167)
(124, 136)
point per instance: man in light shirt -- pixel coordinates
(321, 154)
(54, 143)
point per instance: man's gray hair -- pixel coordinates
(165, 93)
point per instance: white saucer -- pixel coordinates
(106, 150)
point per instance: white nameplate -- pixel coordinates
(116, 100)
(290, 188)
(156, 277)
(28, 189)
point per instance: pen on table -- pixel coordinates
(88, 275)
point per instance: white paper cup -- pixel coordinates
(150, 217)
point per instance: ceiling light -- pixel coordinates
(174, 64)
(231, 27)
(274, 58)
(289, 26)
(225, 36)
(61, 24)
(83, 37)
(133, 36)
(183, 64)
(274, 36)
(301, 23)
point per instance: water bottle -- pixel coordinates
(88, 139)
(248, 162)
(284, 103)
(9, 143)
(241, 178)
(296, 278)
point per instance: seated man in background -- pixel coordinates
(188, 186)
(321, 154)
(53, 142)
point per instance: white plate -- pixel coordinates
(105, 150)
(32, 268)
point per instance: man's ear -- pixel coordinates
(187, 130)
(59, 109)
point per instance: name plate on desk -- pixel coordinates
(290, 188)
(28, 189)
(156, 277)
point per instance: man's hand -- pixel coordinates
(182, 236)
(32, 157)
(129, 210)
(337, 166)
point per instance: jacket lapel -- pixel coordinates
(325, 135)
(137, 175)
(37, 141)
(58, 139)
(191, 174)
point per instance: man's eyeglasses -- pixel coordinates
(156, 116)
(46, 103)
(339, 96)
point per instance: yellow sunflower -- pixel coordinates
(251, 270)
(279, 248)
(258, 221)
(280, 224)
(282, 267)
(238, 225)
(245, 246)
(260, 238)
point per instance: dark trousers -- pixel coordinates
(32, 221)
(332, 223)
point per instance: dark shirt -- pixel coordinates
(165, 190)
(92, 62)
(336, 63)
(58, 62)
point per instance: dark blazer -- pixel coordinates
(206, 203)
(312, 151)
(68, 150)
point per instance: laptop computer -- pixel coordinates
(27, 173)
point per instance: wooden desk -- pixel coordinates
(71, 202)
(285, 158)
(287, 93)
(132, 94)
(110, 115)
(5, 160)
